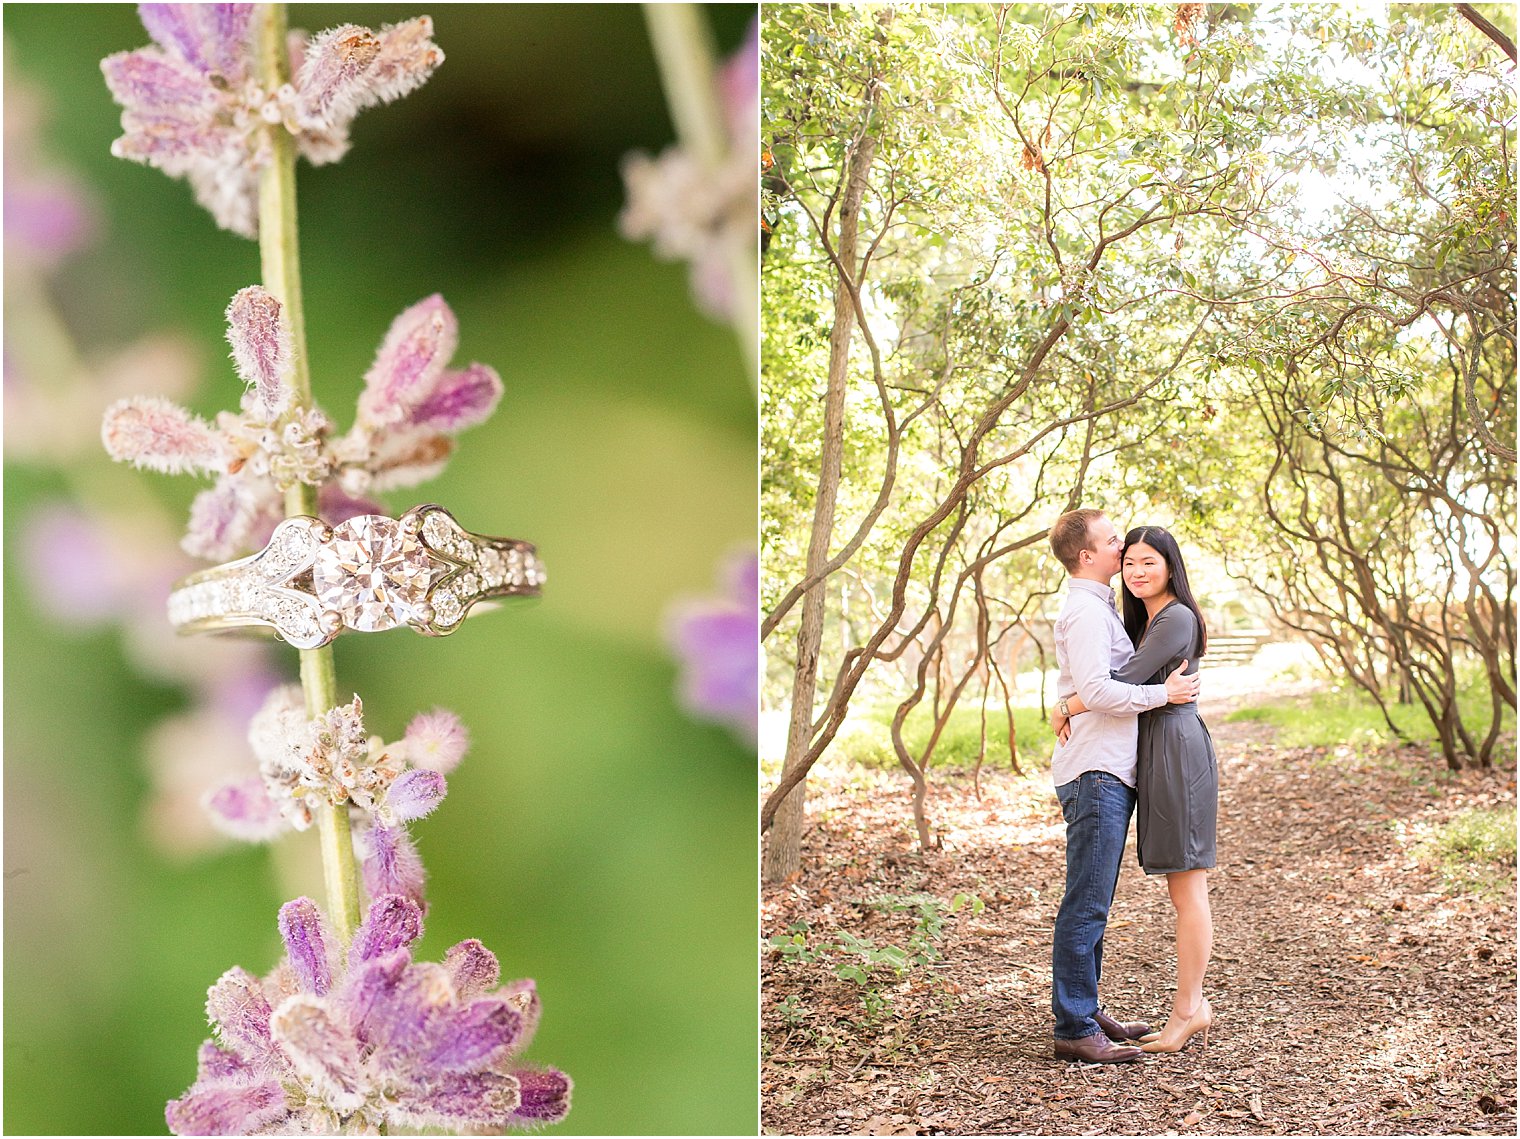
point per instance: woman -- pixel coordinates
(1177, 781)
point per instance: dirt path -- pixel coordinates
(1354, 992)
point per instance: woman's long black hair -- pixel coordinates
(1134, 609)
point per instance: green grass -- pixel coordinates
(1475, 851)
(958, 743)
(1349, 716)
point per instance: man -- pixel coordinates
(1094, 773)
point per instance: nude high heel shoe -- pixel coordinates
(1199, 1022)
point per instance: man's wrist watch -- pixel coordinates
(1063, 708)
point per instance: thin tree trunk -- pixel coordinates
(783, 852)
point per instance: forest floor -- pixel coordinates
(1357, 988)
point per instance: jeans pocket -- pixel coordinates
(1067, 795)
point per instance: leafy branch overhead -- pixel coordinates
(1022, 257)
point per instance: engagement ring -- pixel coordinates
(370, 573)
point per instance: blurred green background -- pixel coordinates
(595, 838)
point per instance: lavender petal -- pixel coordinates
(416, 793)
(176, 28)
(392, 864)
(399, 1014)
(476, 1036)
(411, 359)
(239, 1012)
(473, 969)
(261, 347)
(478, 1100)
(149, 431)
(523, 996)
(332, 80)
(154, 84)
(337, 505)
(407, 57)
(243, 810)
(227, 1109)
(320, 1051)
(215, 1064)
(545, 1096)
(301, 928)
(393, 922)
(461, 399)
(228, 39)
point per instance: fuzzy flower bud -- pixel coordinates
(414, 794)
(410, 362)
(436, 740)
(152, 432)
(261, 347)
(390, 862)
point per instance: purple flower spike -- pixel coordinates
(393, 1043)
(436, 740)
(226, 1109)
(391, 864)
(149, 431)
(261, 348)
(718, 643)
(393, 922)
(545, 1097)
(473, 968)
(193, 106)
(301, 928)
(243, 810)
(461, 399)
(415, 793)
(410, 362)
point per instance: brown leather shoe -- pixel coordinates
(1096, 1049)
(1118, 1032)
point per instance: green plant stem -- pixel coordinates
(280, 260)
(683, 48)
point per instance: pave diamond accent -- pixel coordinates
(292, 548)
(372, 573)
(369, 573)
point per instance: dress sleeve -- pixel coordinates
(1090, 659)
(1171, 635)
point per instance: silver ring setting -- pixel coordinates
(370, 573)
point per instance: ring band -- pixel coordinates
(369, 573)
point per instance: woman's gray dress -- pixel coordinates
(1177, 778)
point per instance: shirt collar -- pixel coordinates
(1097, 588)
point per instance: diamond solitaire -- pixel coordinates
(372, 573)
(369, 573)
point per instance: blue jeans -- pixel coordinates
(1097, 807)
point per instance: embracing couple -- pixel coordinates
(1129, 741)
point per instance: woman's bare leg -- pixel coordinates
(1195, 938)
